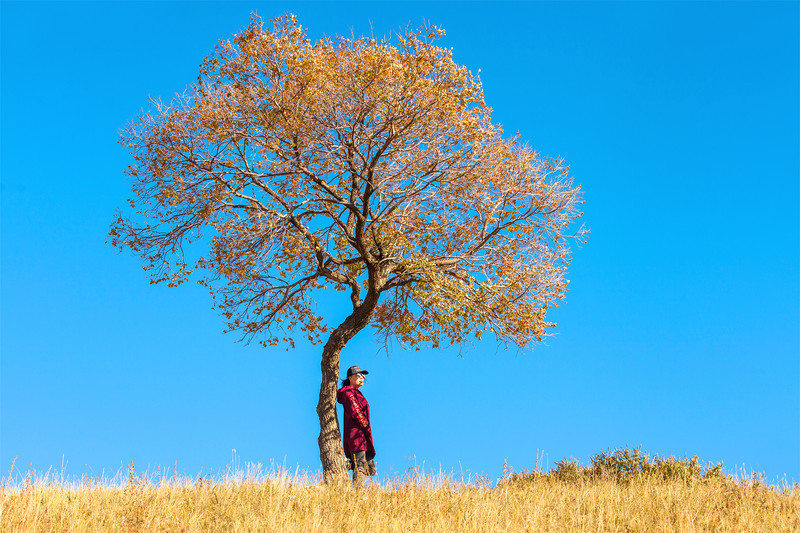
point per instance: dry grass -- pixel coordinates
(295, 503)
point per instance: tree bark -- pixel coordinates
(331, 452)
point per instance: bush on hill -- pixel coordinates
(624, 465)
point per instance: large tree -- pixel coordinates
(353, 164)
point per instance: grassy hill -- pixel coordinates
(619, 491)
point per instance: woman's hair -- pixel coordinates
(345, 382)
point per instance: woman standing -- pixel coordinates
(357, 435)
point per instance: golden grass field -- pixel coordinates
(296, 503)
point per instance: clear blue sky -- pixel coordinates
(680, 330)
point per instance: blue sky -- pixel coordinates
(679, 334)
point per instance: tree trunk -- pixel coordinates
(331, 452)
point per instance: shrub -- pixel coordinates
(569, 471)
(624, 465)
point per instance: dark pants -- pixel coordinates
(360, 465)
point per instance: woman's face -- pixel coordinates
(356, 380)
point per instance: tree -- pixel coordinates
(352, 164)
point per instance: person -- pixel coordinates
(357, 437)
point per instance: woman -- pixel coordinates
(357, 436)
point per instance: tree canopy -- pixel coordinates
(353, 164)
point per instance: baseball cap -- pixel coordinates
(355, 370)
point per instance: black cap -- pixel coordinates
(355, 370)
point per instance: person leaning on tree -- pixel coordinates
(357, 437)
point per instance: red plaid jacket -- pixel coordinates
(357, 434)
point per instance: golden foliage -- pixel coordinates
(354, 164)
